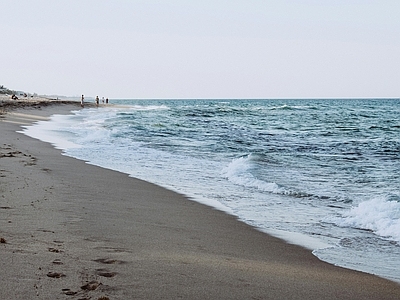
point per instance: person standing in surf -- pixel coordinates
(82, 104)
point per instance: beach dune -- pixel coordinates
(71, 230)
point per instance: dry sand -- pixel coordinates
(71, 230)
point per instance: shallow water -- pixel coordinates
(321, 173)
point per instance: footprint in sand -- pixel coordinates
(55, 250)
(105, 273)
(68, 292)
(91, 286)
(109, 261)
(55, 275)
(57, 262)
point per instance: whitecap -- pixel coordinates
(380, 215)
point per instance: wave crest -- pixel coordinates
(239, 172)
(380, 215)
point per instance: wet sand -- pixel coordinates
(70, 230)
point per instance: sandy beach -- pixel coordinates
(70, 230)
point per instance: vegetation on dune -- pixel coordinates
(4, 90)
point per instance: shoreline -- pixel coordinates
(122, 237)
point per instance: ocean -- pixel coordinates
(324, 174)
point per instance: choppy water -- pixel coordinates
(320, 173)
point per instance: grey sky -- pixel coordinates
(202, 49)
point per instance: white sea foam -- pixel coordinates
(380, 215)
(46, 131)
(238, 172)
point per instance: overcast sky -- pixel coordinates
(202, 48)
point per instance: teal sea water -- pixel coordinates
(324, 174)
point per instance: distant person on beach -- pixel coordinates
(102, 100)
(106, 100)
(82, 98)
(97, 100)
